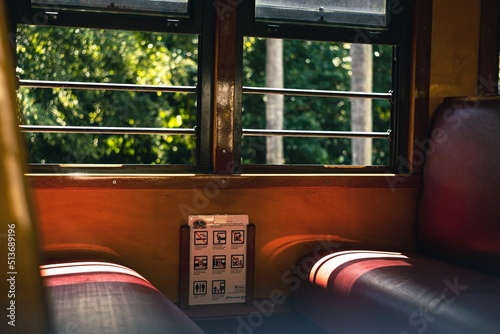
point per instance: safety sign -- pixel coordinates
(218, 247)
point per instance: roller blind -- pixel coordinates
(176, 7)
(371, 13)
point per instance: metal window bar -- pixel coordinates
(106, 130)
(106, 86)
(317, 93)
(192, 89)
(316, 134)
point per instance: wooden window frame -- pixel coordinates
(198, 23)
(221, 67)
(394, 36)
(489, 47)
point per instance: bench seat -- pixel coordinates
(101, 297)
(452, 283)
(384, 292)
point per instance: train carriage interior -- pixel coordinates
(250, 166)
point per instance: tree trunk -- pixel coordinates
(274, 103)
(361, 109)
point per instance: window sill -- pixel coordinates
(240, 181)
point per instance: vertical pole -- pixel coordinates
(488, 50)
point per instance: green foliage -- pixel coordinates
(93, 55)
(90, 55)
(313, 65)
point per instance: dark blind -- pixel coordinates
(372, 13)
(176, 7)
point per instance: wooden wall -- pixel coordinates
(139, 218)
(454, 49)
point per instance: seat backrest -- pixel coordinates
(459, 212)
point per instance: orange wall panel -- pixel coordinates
(142, 226)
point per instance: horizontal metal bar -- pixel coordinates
(315, 134)
(107, 86)
(316, 93)
(106, 130)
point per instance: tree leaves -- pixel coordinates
(107, 56)
(313, 65)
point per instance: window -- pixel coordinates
(118, 97)
(137, 86)
(108, 97)
(317, 104)
(341, 99)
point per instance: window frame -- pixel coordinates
(109, 20)
(221, 25)
(398, 33)
(197, 24)
(489, 48)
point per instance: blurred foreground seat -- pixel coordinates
(102, 297)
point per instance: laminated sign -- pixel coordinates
(218, 249)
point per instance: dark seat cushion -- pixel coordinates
(99, 297)
(458, 222)
(379, 292)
